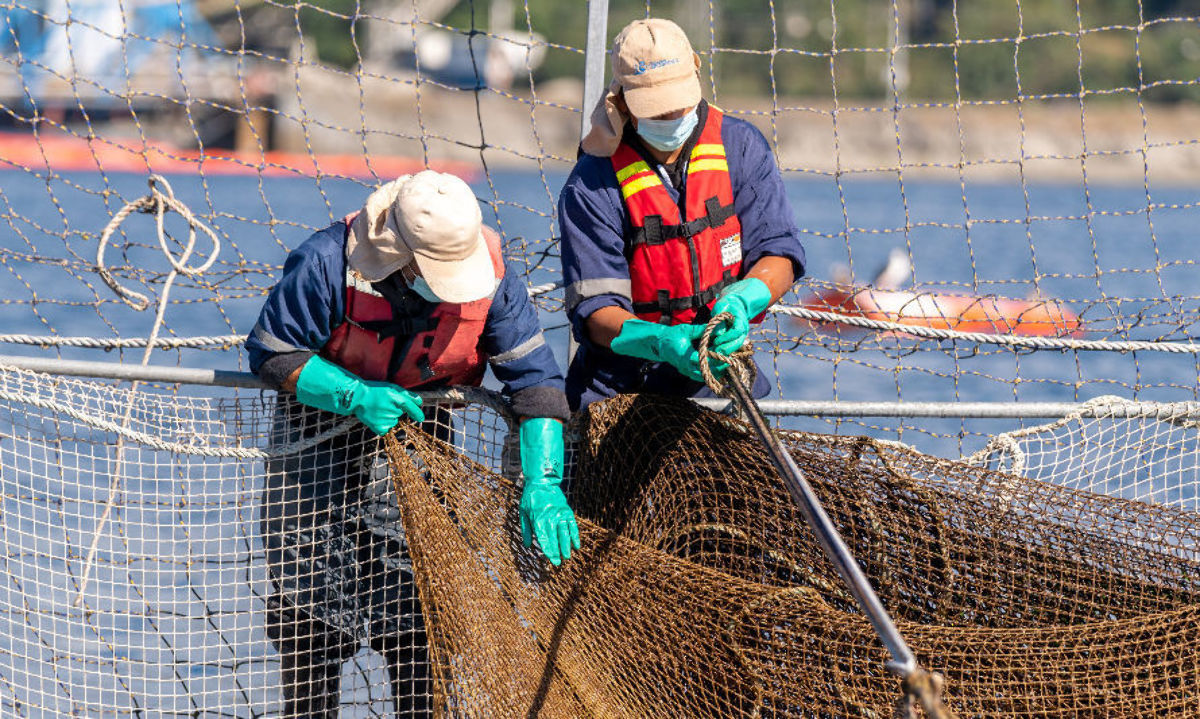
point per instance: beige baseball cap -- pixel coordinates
(430, 217)
(656, 67)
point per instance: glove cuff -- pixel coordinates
(754, 293)
(638, 338)
(325, 385)
(542, 451)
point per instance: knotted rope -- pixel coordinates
(740, 362)
(921, 687)
(159, 204)
(924, 689)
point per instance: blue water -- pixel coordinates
(173, 625)
(1130, 272)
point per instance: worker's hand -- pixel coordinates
(745, 300)
(673, 344)
(543, 509)
(379, 405)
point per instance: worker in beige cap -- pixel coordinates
(674, 213)
(408, 293)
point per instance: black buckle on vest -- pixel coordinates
(426, 370)
(654, 232)
(651, 232)
(398, 326)
(668, 306)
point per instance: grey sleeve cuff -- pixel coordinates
(541, 401)
(277, 368)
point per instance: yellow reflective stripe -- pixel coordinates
(710, 149)
(715, 164)
(632, 169)
(631, 188)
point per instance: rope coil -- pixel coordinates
(158, 204)
(713, 364)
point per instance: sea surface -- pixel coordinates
(171, 622)
(1128, 270)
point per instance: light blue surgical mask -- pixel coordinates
(667, 135)
(421, 287)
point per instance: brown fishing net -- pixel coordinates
(700, 591)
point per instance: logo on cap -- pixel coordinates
(644, 67)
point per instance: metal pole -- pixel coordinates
(957, 410)
(595, 53)
(903, 663)
(129, 372)
(801, 408)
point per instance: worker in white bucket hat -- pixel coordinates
(408, 293)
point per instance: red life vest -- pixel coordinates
(438, 348)
(677, 266)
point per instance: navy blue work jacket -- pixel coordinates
(309, 301)
(595, 224)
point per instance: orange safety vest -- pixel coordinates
(437, 348)
(676, 266)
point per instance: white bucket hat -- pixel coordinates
(433, 218)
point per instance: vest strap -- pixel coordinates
(668, 306)
(654, 232)
(397, 326)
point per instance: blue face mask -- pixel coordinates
(421, 287)
(667, 135)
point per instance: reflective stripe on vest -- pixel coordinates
(680, 265)
(439, 347)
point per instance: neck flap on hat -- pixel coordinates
(374, 247)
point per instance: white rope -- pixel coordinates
(1103, 407)
(536, 290)
(123, 342)
(159, 204)
(142, 438)
(1049, 343)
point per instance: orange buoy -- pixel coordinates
(964, 313)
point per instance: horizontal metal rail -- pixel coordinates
(132, 372)
(974, 410)
(778, 407)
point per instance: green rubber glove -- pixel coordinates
(673, 344)
(745, 300)
(543, 509)
(379, 405)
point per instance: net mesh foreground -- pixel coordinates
(700, 592)
(137, 583)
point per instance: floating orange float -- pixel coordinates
(883, 300)
(964, 313)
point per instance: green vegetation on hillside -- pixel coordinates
(979, 51)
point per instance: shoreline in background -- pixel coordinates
(386, 116)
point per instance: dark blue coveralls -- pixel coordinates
(595, 256)
(330, 524)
